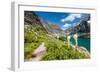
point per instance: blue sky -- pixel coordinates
(63, 20)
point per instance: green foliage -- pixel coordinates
(61, 53)
(57, 50)
(62, 38)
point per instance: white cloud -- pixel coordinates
(66, 26)
(71, 17)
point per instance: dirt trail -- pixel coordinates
(39, 52)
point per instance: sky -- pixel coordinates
(63, 20)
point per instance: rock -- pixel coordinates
(84, 50)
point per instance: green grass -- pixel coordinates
(57, 49)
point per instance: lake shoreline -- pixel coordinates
(81, 49)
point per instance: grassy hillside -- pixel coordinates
(57, 49)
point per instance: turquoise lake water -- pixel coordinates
(82, 42)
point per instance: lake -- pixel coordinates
(82, 42)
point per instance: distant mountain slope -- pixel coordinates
(31, 18)
(52, 29)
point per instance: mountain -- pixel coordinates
(83, 29)
(30, 17)
(52, 29)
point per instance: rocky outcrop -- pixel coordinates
(82, 27)
(85, 51)
(81, 50)
(30, 17)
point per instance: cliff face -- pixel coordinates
(83, 27)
